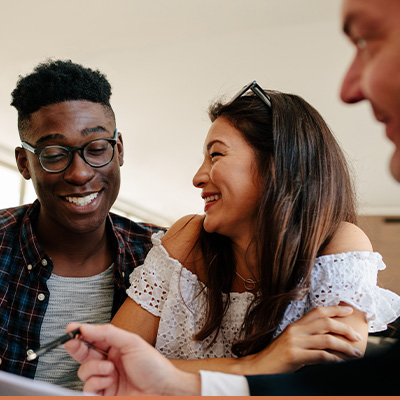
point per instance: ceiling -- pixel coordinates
(97, 25)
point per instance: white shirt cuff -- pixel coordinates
(220, 384)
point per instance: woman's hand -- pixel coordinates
(318, 337)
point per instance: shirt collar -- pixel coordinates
(34, 255)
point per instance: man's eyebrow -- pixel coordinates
(94, 129)
(84, 132)
(49, 137)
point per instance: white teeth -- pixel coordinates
(82, 201)
(214, 197)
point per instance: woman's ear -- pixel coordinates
(22, 162)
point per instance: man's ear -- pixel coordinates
(22, 162)
(120, 149)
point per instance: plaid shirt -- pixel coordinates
(25, 268)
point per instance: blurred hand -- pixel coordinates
(132, 367)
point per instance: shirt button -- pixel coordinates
(44, 262)
(123, 274)
(29, 267)
(41, 296)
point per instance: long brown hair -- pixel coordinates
(306, 193)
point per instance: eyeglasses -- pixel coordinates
(96, 153)
(257, 90)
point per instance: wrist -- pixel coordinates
(184, 384)
(243, 365)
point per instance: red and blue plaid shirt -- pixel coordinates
(25, 268)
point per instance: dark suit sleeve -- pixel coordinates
(370, 376)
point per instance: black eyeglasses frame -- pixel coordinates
(71, 150)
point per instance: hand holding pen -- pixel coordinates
(133, 367)
(75, 334)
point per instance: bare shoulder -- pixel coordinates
(180, 239)
(348, 237)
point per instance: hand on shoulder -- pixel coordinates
(348, 237)
(181, 237)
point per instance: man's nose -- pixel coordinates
(351, 90)
(78, 172)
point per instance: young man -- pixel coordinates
(64, 256)
(374, 75)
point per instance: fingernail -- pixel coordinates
(358, 336)
(347, 308)
(357, 352)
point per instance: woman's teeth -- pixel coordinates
(214, 197)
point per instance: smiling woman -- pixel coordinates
(232, 198)
(256, 284)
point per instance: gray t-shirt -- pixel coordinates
(87, 299)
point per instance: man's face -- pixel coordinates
(373, 26)
(79, 198)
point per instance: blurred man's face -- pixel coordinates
(373, 26)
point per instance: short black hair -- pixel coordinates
(53, 82)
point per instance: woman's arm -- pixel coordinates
(133, 318)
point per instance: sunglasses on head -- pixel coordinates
(257, 90)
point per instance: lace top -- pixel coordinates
(171, 292)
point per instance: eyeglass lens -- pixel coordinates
(96, 153)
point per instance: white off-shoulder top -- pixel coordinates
(171, 292)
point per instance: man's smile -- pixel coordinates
(82, 201)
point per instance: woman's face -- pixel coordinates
(229, 182)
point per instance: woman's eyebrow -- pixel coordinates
(209, 145)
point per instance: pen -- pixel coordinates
(75, 334)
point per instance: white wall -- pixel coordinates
(166, 60)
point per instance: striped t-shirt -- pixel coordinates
(87, 299)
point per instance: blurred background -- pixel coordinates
(166, 61)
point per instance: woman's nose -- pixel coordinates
(201, 176)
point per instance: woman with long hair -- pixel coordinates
(275, 275)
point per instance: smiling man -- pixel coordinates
(64, 257)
